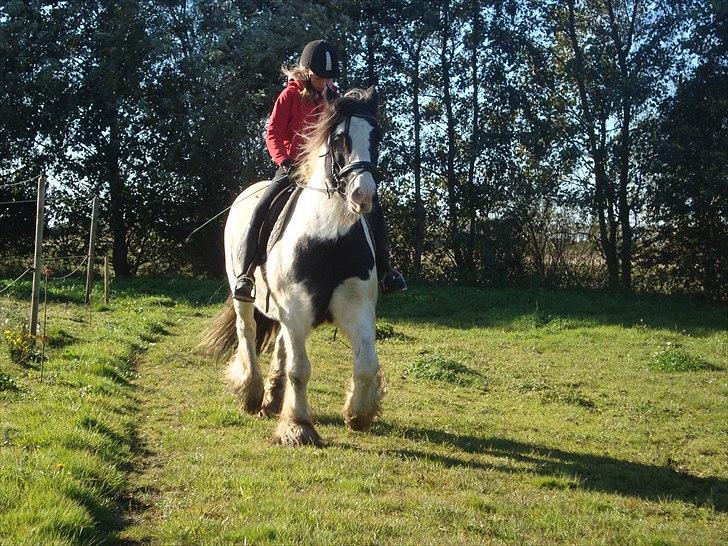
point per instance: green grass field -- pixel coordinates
(512, 416)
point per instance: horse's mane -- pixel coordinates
(353, 102)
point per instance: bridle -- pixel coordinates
(340, 174)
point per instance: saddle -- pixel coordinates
(276, 220)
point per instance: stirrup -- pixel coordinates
(392, 282)
(244, 288)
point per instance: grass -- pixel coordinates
(440, 368)
(511, 416)
(677, 360)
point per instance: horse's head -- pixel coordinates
(347, 138)
(353, 143)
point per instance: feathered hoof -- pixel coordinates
(292, 434)
(249, 392)
(360, 423)
(271, 406)
(266, 413)
(251, 404)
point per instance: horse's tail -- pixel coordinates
(222, 337)
(266, 331)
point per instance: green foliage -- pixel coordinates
(21, 344)
(440, 368)
(678, 360)
(688, 245)
(385, 330)
(7, 383)
(160, 109)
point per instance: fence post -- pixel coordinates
(107, 274)
(92, 249)
(39, 222)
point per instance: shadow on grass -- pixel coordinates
(134, 503)
(191, 291)
(593, 472)
(528, 308)
(167, 289)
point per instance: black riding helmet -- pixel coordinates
(321, 58)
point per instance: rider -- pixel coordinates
(297, 108)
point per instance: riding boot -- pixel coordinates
(248, 249)
(390, 280)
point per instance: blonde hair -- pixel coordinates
(303, 75)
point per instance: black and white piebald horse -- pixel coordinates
(321, 269)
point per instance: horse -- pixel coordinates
(321, 269)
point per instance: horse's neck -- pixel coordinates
(325, 212)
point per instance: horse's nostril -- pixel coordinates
(357, 196)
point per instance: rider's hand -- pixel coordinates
(287, 165)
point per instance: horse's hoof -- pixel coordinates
(271, 407)
(249, 391)
(292, 434)
(265, 413)
(251, 403)
(359, 423)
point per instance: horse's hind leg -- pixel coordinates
(275, 382)
(295, 425)
(363, 402)
(243, 373)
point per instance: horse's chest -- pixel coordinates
(320, 265)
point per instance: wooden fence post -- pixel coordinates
(92, 249)
(37, 258)
(107, 279)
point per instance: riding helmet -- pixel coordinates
(321, 58)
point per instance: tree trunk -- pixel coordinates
(419, 208)
(117, 199)
(451, 179)
(625, 143)
(624, 207)
(596, 151)
(474, 141)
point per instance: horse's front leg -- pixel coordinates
(363, 402)
(295, 425)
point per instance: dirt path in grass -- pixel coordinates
(167, 375)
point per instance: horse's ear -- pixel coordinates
(373, 97)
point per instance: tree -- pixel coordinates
(619, 51)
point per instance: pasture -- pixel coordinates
(512, 416)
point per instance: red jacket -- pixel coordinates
(291, 117)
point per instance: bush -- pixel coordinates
(21, 345)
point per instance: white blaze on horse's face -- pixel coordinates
(361, 189)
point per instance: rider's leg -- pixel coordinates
(390, 280)
(248, 249)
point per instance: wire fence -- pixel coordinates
(17, 202)
(14, 184)
(75, 269)
(23, 274)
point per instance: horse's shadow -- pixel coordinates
(583, 470)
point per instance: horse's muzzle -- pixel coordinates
(360, 201)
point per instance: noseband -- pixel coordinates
(340, 173)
